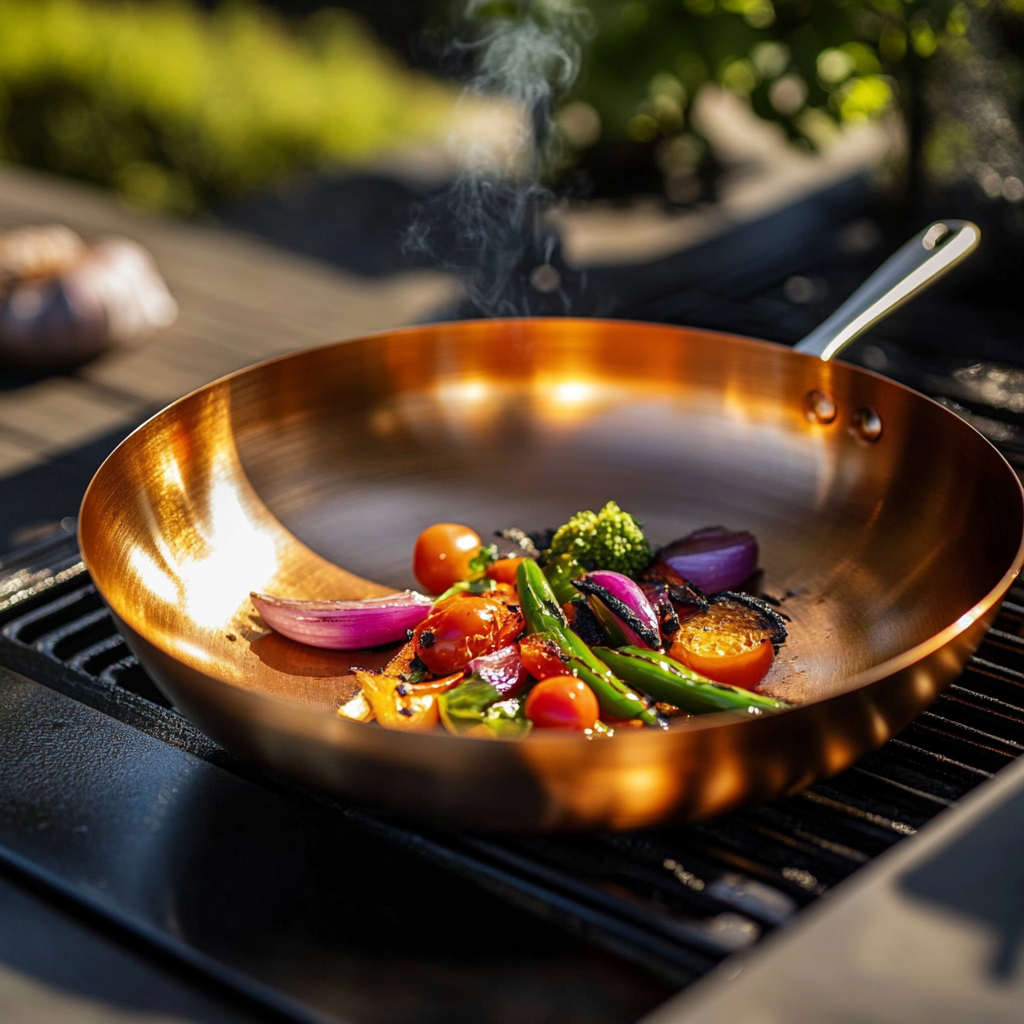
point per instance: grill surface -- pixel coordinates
(676, 900)
(683, 898)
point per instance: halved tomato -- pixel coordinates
(728, 643)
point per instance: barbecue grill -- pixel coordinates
(245, 886)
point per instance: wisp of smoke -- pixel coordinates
(485, 224)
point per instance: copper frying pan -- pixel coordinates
(890, 527)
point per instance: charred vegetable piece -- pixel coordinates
(541, 656)
(525, 542)
(583, 622)
(660, 600)
(397, 705)
(667, 680)
(625, 614)
(774, 622)
(732, 642)
(543, 615)
(684, 595)
(464, 627)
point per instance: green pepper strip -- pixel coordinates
(666, 679)
(544, 615)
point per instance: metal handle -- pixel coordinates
(923, 259)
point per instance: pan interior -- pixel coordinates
(340, 456)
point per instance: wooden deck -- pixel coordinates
(240, 301)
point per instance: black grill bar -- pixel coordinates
(684, 897)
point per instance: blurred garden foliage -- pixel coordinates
(179, 108)
(812, 66)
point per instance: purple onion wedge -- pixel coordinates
(503, 669)
(714, 558)
(344, 625)
(621, 607)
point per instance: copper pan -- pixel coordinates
(890, 527)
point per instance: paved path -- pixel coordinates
(240, 301)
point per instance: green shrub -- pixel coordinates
(178, 109)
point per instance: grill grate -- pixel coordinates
(685, 897)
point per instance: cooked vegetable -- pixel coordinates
(683, 594)
(665, 679)
(344, 625)
(560, 572)
(503, 669)
(562, 702)
(541, 656)
(463, 628)
(407, 706)
(443, 554)
(609, 539)
(543, 615)
(732, 642)
(660, 600)
(625, 614)
(714, 558)
(537, 640)
(503, 570)
(476, 708)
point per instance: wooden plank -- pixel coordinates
(59, 413)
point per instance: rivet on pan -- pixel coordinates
(866, 424)
(820, 407)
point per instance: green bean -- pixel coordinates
(668, 680)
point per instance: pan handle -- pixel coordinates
(923, 259)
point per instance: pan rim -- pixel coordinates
(892, 666)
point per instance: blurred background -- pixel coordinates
(302, 172)
(189, 107)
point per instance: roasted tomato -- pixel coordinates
(504, 570)
(461, 629)
(442, 555)
(540, 656)
(728, 643)
(562, 702)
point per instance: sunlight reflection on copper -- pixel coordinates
(159, 583)
(238, 559)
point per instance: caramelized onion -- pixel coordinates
(344, 625)
(714, 558)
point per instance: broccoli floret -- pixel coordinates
(609, 539)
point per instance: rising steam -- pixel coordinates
(487, 226)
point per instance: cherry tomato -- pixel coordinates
(442, 555)
(562, 702)
(726, 644)
(540, 656)
(504, 570)
(461, 629)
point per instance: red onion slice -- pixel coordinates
(622, 608)
(714, 559)
(503, 669)
(344, 625)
